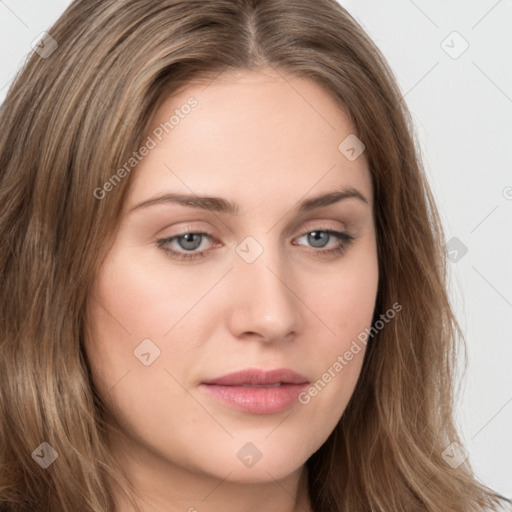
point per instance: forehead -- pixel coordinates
(253, 135)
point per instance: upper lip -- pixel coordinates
(256, 376)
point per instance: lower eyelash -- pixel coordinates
(345, 238)
(181, 255)
(346, 241)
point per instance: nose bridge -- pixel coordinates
(265, 303)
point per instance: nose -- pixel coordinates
(263, 304)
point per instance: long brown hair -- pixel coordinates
(72, 118)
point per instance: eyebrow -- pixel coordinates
(221, 205)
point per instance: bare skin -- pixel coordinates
(254, 140)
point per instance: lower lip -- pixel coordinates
(257, 400)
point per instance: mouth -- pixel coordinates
(257, 391)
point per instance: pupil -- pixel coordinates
(189, 242)
(316, 236)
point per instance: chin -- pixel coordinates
(247, 462)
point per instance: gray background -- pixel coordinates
(462, 108)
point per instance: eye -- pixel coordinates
(320, 238)
(185, 246)
(187, 242)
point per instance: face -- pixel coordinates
(213, 321)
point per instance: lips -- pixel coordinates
(263, 378)
(257, 391)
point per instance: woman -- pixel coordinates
(223, 271)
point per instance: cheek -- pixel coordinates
(131, 308)
(139, 295)
(140, 312)
(346, 303)
(347, 295)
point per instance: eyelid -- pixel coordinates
(311, 225)
(322, 226)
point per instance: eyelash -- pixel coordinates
(345, 239)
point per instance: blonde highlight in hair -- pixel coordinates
(70, 120)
